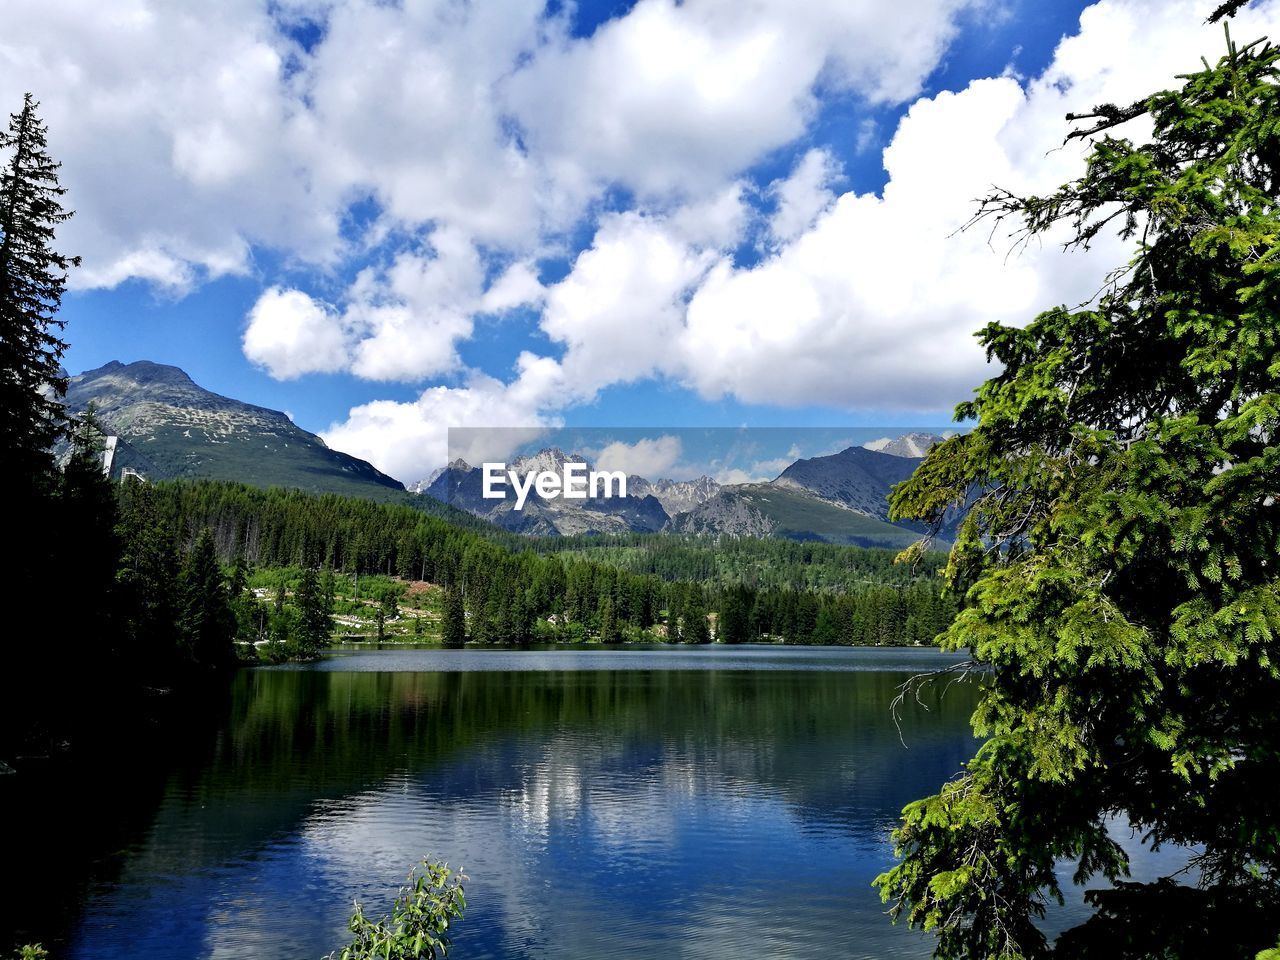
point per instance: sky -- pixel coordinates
(393, 218)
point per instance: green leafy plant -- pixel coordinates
(420, 922)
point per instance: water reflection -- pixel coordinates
(620, 812)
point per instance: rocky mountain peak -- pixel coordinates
(914, 445)
(549, 458)
(170, 426)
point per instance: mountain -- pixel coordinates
(773, 510)
(842, 498)
(916, 445)
(462, 486)
(856, 479)
(550, 459)
(168, 426)
(676, 496)
(171, 427)
(421, 486)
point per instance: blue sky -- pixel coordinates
(391, 219)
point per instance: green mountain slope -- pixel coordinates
(769, 510)
(172, 428)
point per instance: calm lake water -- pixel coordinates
(674, 803)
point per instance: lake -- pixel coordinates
(714, 802)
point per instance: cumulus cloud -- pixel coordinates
(290, 334)
(675, 97)
(181, 140)
(874, 302)
(408, 318)
(404, 96)
(865, 299)
(409, 440)
(804, 194)
(650, 457)
(518, 286)
(192, 134)
(621, 307)
(401, 323)
(755, 470)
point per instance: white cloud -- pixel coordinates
(404, 97)
(398, 324)
(875, 304)
(736, 475)
(804, 194)
(650, 457)
(290, 334)
(715, 221)
(758, 471)
(675, 97)
(192, 134)
(868, 300)
(409, 440)
(408, 319)
(868, 130)
(621, 307)
(518, 286)
(180, 140)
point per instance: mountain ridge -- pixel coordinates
(177, 428)
(170, 427)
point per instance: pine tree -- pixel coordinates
(205, 621)
(735, 615)
(239, 581)
(87, 519)
(243, 604)
(693, 626)
(32, 279)
(387, 609)
(455, 622)
(315, 616)
(145, 580)
(608, 621)
(329, 588)
(1118, 558)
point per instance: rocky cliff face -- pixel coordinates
(856, 479)
(733, 512)
(676, 496)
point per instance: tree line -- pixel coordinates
(496, 594)
(756, 562)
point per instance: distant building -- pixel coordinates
(109, 456)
